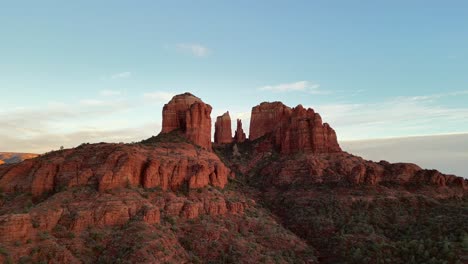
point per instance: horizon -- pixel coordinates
(443, 152)
(92, 72)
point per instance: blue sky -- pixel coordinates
(88, 71)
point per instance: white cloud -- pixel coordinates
(91, 102)
(400, 116)
(159, 96)
(109, 93)
(196, 50)
(120, 75)
(301, 86)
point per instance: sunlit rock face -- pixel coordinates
(190, 115)
(223, 132)
(293, 129)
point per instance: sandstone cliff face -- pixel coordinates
(73, 213)
(343, 167)
(266, 117)
(293, 130)
(239, 136)
(190, 115)
(108, 166)
(223, 132)
(305, 132)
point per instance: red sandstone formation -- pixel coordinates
(101, 210)
(108, 166)
(344, 167)
(223, 132)
(190, 115)
(293, 130)
(266, 117)
(239, 136)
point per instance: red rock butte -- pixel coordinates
(292, 129)
(190, 115)
(223, 132)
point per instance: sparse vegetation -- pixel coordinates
(174, 136)
(405, 230)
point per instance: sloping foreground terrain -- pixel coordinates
(142, 203)
(288, 195)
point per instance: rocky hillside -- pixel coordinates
(288, 194)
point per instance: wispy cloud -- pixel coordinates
(159, 96)
(121, 75)
(41, 128)
(242, 115)
(194, 49)
(50, 140)
(91, 102)
(109, 93)
(301, 86)
(399, 116)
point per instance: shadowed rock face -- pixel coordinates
(190, 115)
(223, 132)
(239, 136)
(293, 129)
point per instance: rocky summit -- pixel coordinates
(292, 129)
(190, 115)
(285, 194)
